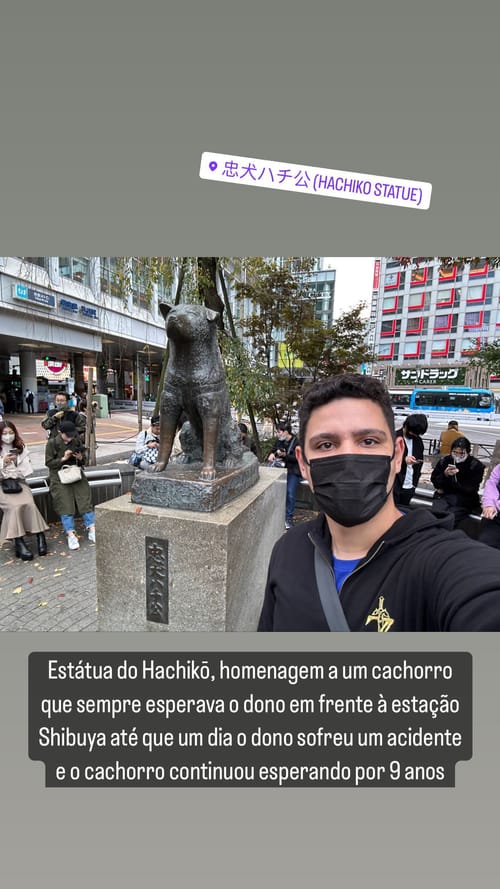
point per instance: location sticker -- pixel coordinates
(316, 180)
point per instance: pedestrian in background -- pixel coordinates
(62, 413)
(457, 478)
(66, 448)
(447, 438)
(20, 513)
(413, 458)
(146, 445)
(29, 398)
(246, 439)
(284, 450)
(489, 531)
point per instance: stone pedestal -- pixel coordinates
(176, 570)
(180, 487)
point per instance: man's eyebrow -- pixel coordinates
(334, 436)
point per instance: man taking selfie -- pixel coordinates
(363, 565)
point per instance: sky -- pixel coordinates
(354, 281)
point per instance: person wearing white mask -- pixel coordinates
(457, 478)
(20, 514)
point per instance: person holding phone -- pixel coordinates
(66, 448)
(20, 514)
(413, 458)
(457, 478)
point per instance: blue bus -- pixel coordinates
(458, 399)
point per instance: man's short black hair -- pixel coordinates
(344, 386)
(284, 427)
(416, 424)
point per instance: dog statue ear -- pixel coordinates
(212, 315)
(165, 308)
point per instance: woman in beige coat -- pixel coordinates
(20, 515)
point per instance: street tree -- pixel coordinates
(288, 343)
(488, 357)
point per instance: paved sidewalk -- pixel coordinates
(53, 592)
(57, 591)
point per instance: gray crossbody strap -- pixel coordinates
(330, 599)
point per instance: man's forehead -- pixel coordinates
(347, 416)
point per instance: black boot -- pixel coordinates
(42, 544)
(22, 551)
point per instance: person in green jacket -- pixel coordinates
(66, 448)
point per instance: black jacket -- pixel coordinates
(430, 579)
(418, 453)
(463, 486)
(51, 423)
(289, 458)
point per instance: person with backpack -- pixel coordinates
(29, 398)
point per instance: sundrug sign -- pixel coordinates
(428, 376)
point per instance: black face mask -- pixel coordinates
(351, 488)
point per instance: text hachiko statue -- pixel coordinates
(195, 383)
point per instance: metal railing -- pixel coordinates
(105, 484)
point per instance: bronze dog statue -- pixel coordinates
(195, 383)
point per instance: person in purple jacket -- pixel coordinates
(489, 532)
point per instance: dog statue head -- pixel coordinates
(188, 321)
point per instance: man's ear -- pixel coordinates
(304, 468)
(399, 448)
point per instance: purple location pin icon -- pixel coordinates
(213, 165)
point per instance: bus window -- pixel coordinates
(459, 400)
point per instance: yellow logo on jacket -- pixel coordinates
(382, 616)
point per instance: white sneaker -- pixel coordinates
(73, 541)
(91, 533)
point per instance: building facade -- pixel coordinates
(428, 320)
(62, 314)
